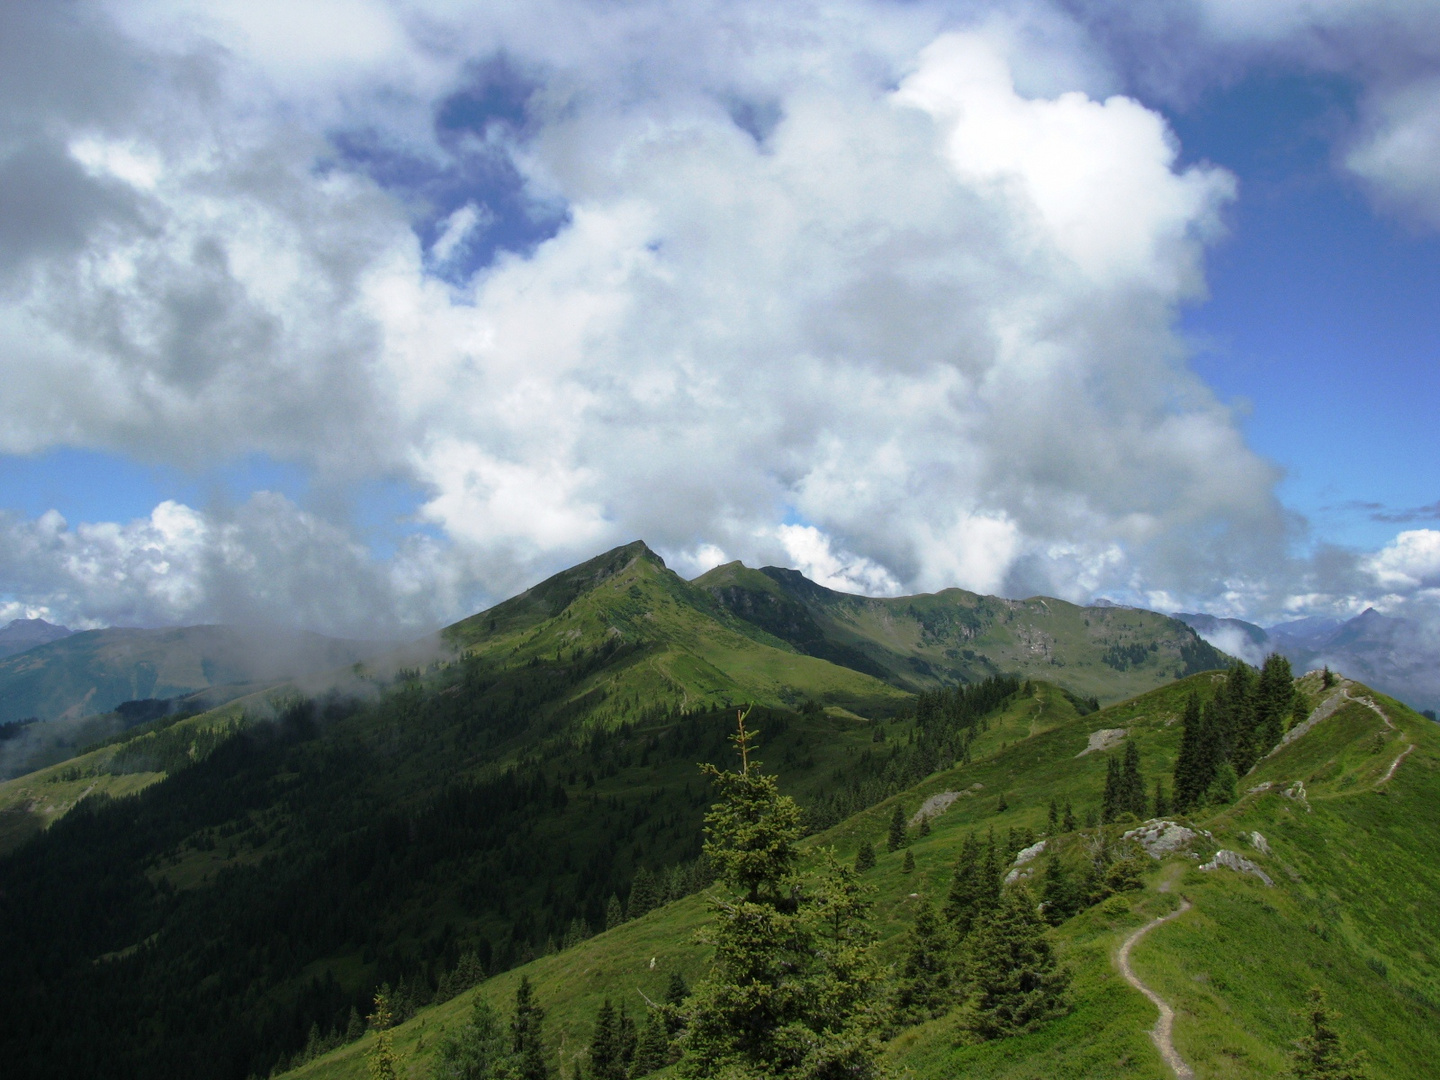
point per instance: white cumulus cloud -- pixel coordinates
(908, 277)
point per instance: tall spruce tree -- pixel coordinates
(1195, 764)
(1132, 784)
(478, 1050)
(1274, 702)
(527, 1044)
(1113, 795)
(614, 913)
(1161, 805)
(652, 1052)
(677, 992)
(865, 857)
(629, 1039)
(1319, 1054)
(895, 839)
(1014, 982)
(1059, 892)
(383, 1063)
(1238, 703)
(975, 885)
(606, 1058)
(644, 894)
(793, 989)
(925, 988)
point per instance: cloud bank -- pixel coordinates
(887, 293)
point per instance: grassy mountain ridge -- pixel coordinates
(1354, 874)
(919, 642)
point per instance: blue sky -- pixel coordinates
(412, 307)
(1323, 316)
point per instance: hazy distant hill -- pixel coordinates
(95, 670)
(20, 635)
(1399, 656)
(1234, 636)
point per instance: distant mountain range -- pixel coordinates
(76, 674)
(1397, 656)
(21, 635)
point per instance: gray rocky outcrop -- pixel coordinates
(1103, 739)
(1160, 837)
(1022, 857)
(1237, 862)
(933, 807)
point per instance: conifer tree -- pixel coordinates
(629, 1039)
(1054, 819)
(1327, 678)
(575, 934)
(975, 886)
(355, 1027)
(476, 1051)
(469, 971)
(606, 1062)
(1319, 1055)
(1238, 703)
(1110, 801)
(925, 826)
(1132, 784)
(676, 994)
(614, 913)
(895, 840)
(1195, 763)
(526, 1038)
(1068, 822)
(793, 989)
(926, 985)
(1123, 875)
(644, 894)
(382, 1062)
(313, 1043)
(1274, 702)
(1161, 805)
(864, 857)
(652, 1052)
(1059, 892)
(1002, 805)
(908, 866)
(1222, 789)
(1015, 984)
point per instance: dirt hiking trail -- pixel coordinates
(1160, 1034)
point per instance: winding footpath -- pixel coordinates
(1389, 724)
(1160, 1034)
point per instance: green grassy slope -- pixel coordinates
(922, 641)
(1351, 908)
(687, 651)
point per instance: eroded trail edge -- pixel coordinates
(1161, 1033)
